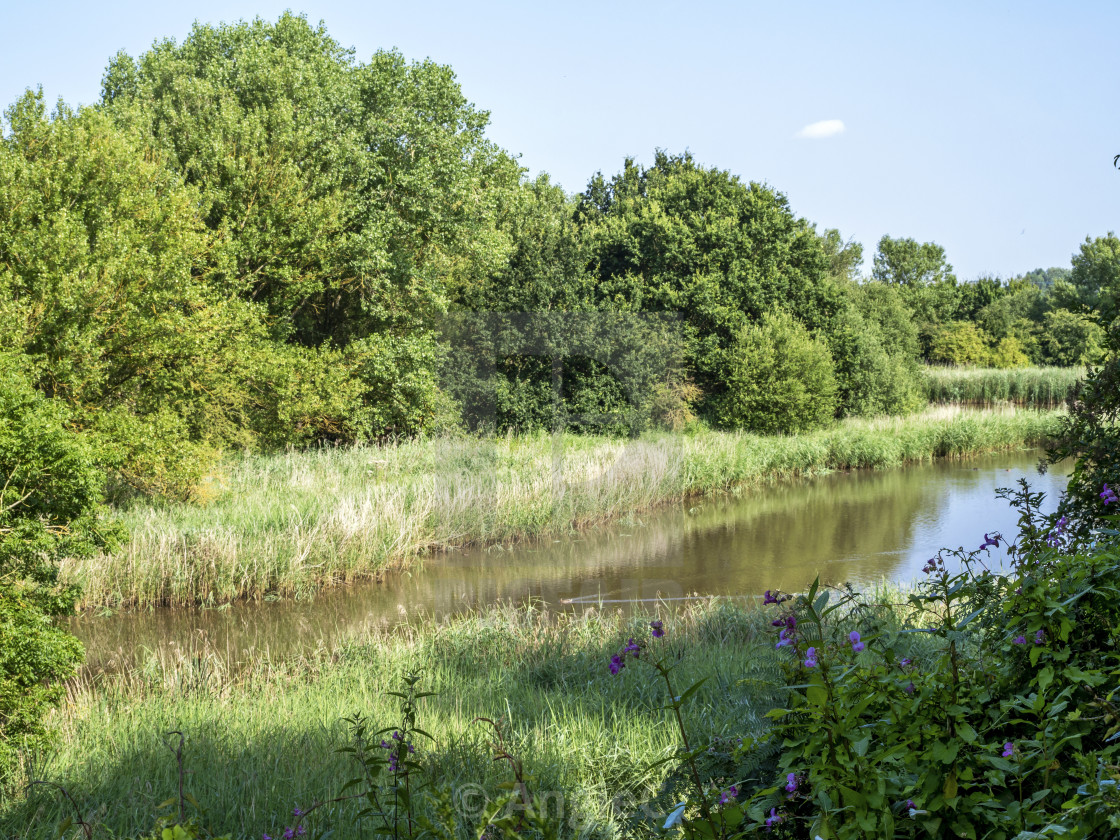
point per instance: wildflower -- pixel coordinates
(632, 647)
(617, 664)
(784, 638)
(296, 812)
(905, 663)
(1039, 637)
(1019, 640)
(989, 541)
(289, 833)
(857, 645)
(1008, 750)
(773, 819)
(791, 783)
(768, 598)
(811, 658)
(396, 735)
(657, 628)
(265, 837)
(728, 795)
(910, 804)
(910, 688)
(411, 749)
(1108, 496)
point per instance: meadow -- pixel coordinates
(265, 740)
(287, 524)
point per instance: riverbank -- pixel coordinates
(264, 740)
(286, 525)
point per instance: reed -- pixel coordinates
(288, 524)
(1034, 387)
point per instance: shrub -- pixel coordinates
(780, 379)
(959, 343)
(49, 509)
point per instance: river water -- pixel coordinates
(862, 527)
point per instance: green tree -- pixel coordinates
(346, 200)
(960, 343)
(679, 237)
(909, 263)
(50, 508)
(780, 379)
(1070, 338)
(1095, 277)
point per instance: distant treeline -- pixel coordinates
(256, 240)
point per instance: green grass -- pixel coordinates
(288, 524)
(263, 740)
(1035, 387)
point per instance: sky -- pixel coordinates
(986, 127)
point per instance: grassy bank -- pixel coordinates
(1035, 387)
(264, 741)
(287, 524)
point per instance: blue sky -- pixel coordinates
(988, 128)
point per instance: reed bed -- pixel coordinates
(1033, 387)
(264, 740)
(290, 523)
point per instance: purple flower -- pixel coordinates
(784, 638)
(617, 664)
(909, 688)
(728, 795)
(396, 735)
(905, 663)
(411, 749)
(384, 744)
(791, 783)
(1019, 640)
(910, 803)
(265, 837)
(857, 645)
(811, 658)
(989, 541)
(296, 812)
(1108, 496)
(632, 647)
(773, 819)
(289, 833)
(768, 598)
(1008, 750)
(1039, 637)
(657, 628)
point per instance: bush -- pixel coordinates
(959, 343)
(780, 379)
(49, 509)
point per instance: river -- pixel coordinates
(863, 527)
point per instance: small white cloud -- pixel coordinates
(824, 128)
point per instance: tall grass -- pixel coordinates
(262, 741)
(286, 524)
(1035, 387)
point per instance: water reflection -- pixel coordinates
(859, 527)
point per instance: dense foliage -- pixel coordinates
(50, 492)
(258, 240)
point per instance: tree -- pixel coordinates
(50, 508)
(682, 238)
(1095, 277)
(780, 379)
(909, 263)
(346, 200)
